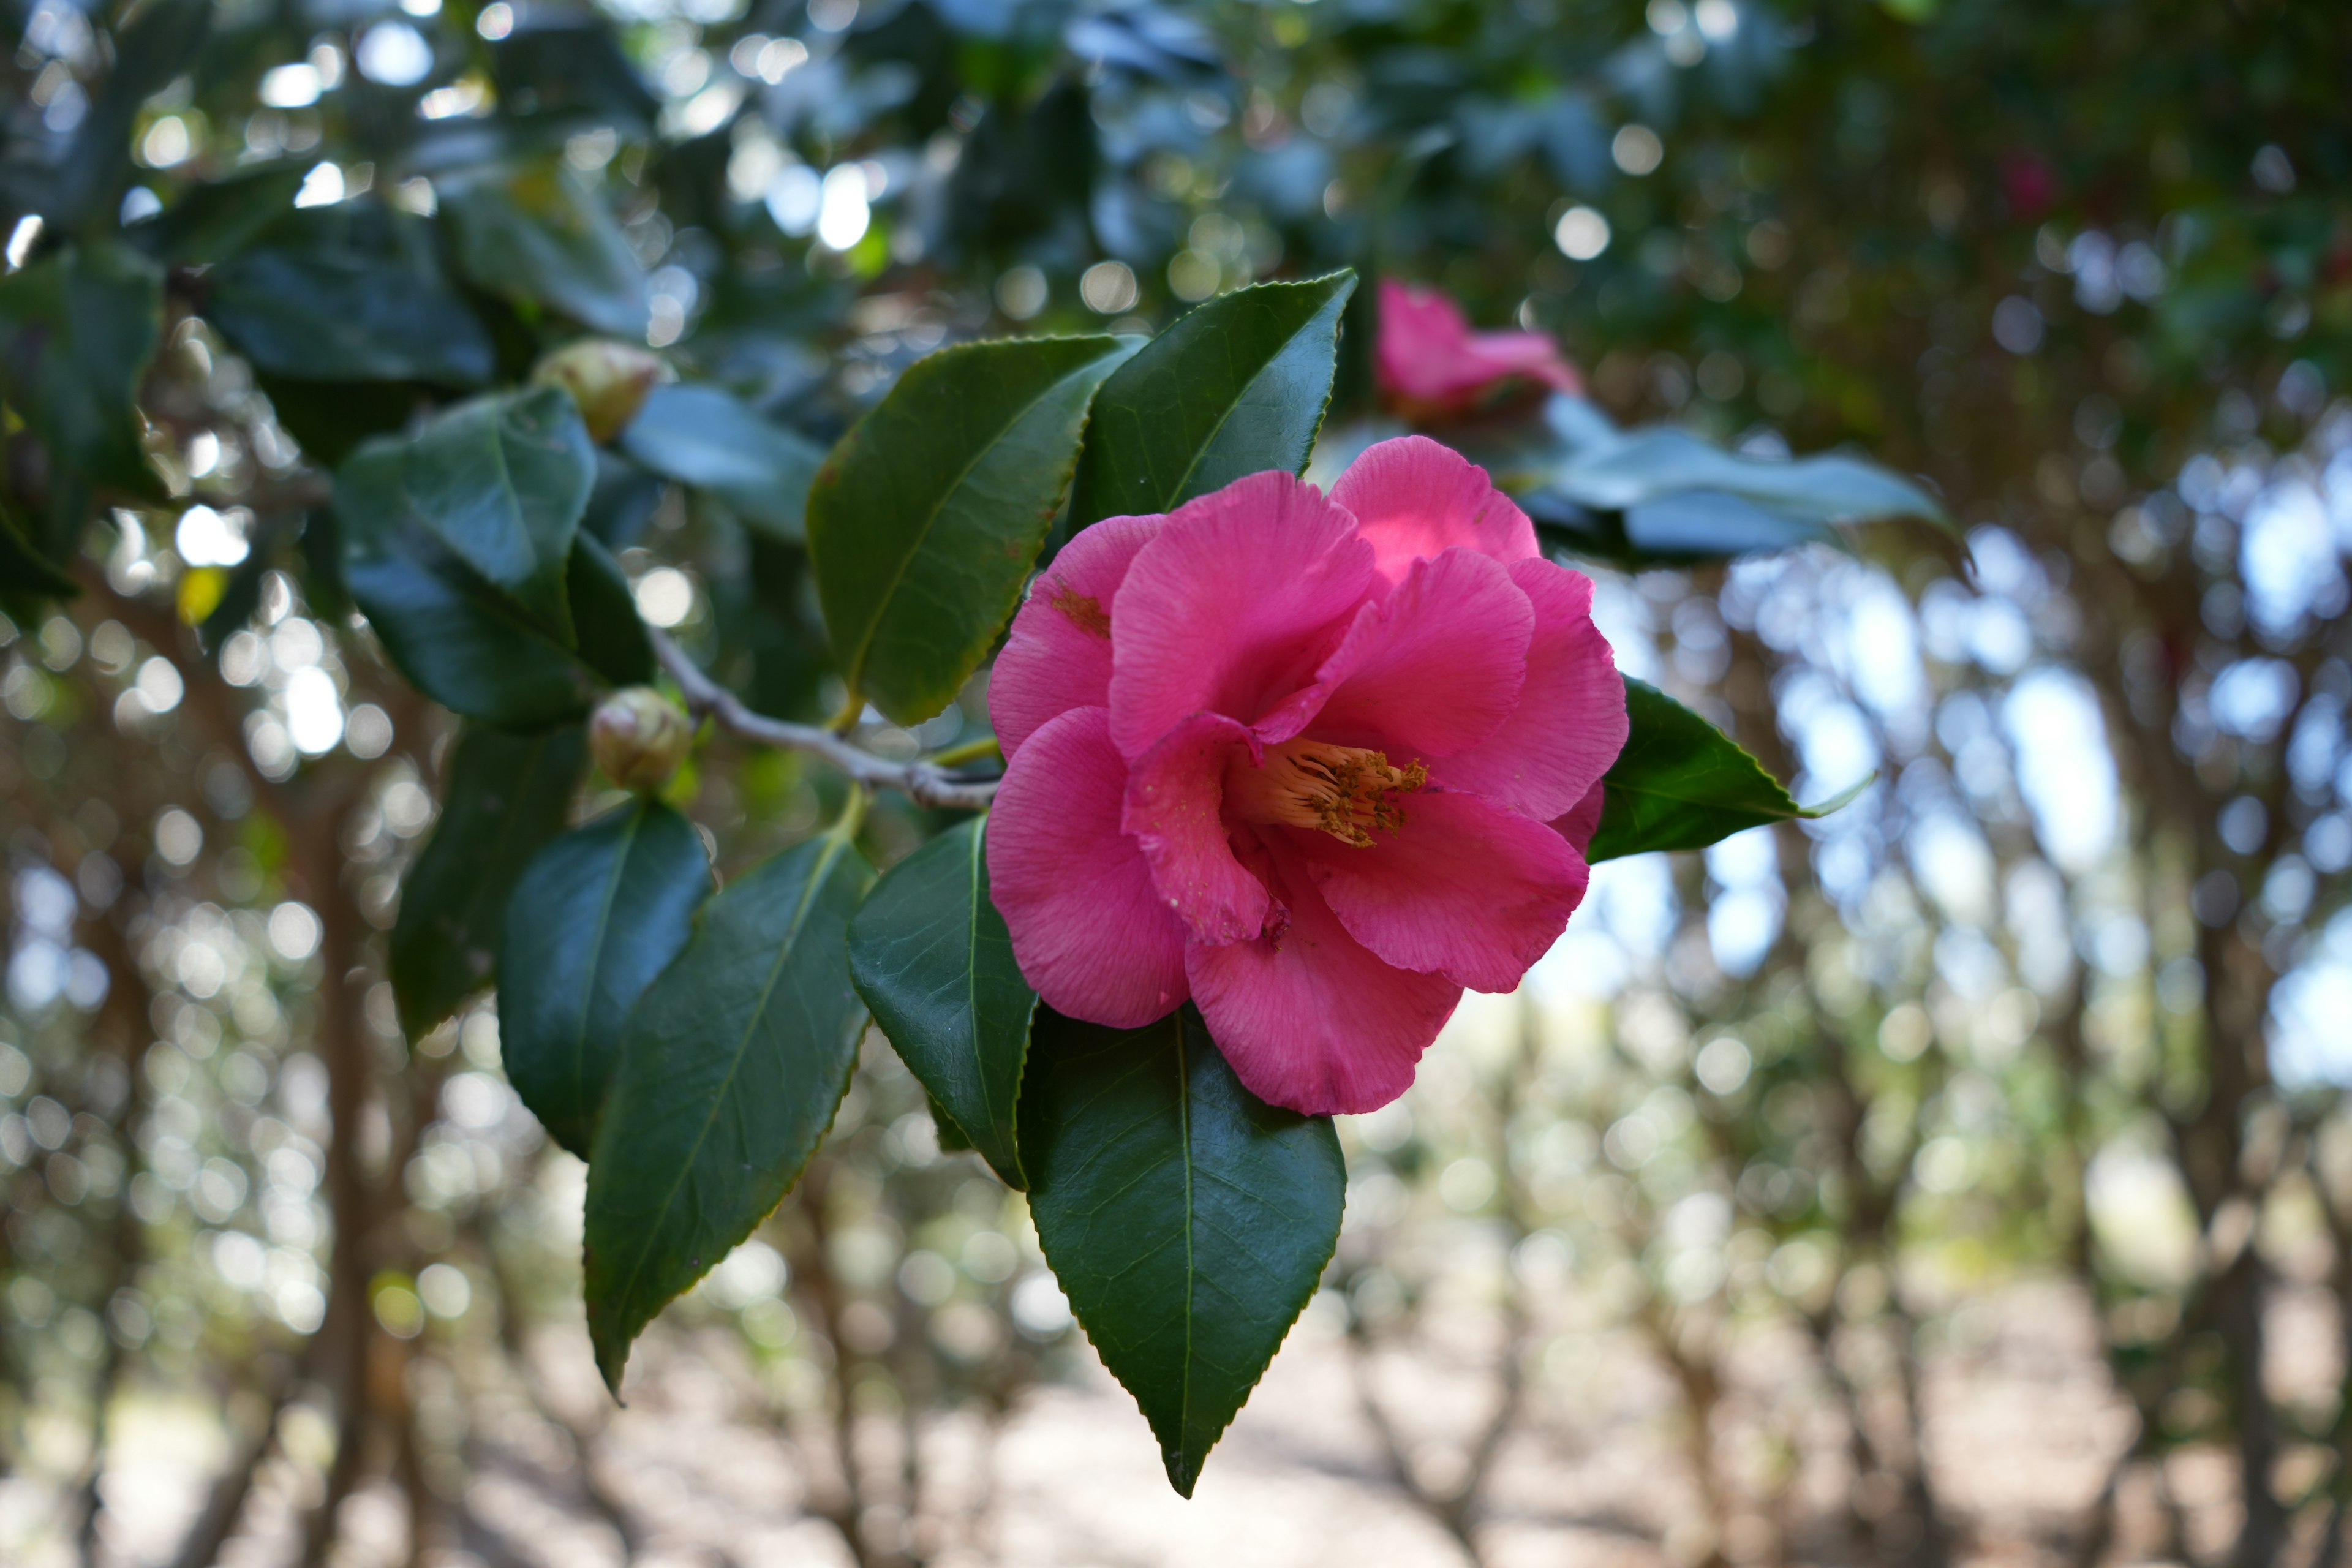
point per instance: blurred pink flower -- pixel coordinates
(1315, 763)
(1432, 367)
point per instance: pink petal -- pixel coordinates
(1570, 722)
(1175, 797)
(1421, 339)
(1434, 669)
(1531, 354)
(1311, 1020)
(1058, 657)
(1412, 498)
(1232, 607)
(1582, 820)
(1467, 889)
(1089, 930)
(1427, 355)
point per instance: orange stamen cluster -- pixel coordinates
(1347, 791)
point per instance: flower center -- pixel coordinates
(1344, 791)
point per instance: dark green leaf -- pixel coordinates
(464, 644)
(569, 65)
(77, 330)
(1680, 784)
(925, 521)
(27, 576)
(731, 1068)
(624, 501)
(1187, 1220)
(502, 482)
(349, 292)
(157, 42)
(535, 234)
(613, 640)
(595, 917)
(459, 638)
(1237, 386)
(330, 418)
(705, 437)
(507, 796)
(215, 221)
(933, 958)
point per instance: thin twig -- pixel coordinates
(922, 781)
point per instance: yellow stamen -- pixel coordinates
(1344, 791)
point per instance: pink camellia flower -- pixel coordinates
(1316, 764)
(1431, 366)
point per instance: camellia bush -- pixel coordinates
(1170, 801)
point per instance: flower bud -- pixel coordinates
(609, 381)
(638, 737)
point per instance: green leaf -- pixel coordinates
(507, 796)
(218, 220)
(925, 521)
(1648, 465)
(27, 576)
(149, 45)
(933, 958)
(502, 481)
(1187, 1220)
(597, 914)
(349, 292)
(536, 233)
(613, 640)
(1682, 784)
(77, 330)
(732, 1065)
(1237, 386)
(705, 437)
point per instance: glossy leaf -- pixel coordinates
(1645, 466)
(349, 292)
(502, 481)
(705, 437)
(1682, 784)
(925, 521)
(76, 331)
(1662, 496)
(457, 638)
(507, 796)
(597, 914)
(1236, 387)
(933, 958)
(535, 234)
(1187, 1220)
(732, 1065)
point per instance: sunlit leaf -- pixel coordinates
(1682, 784)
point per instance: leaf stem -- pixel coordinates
(923, 782)
(976, 750)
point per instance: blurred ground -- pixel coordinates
(1593, 1475)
